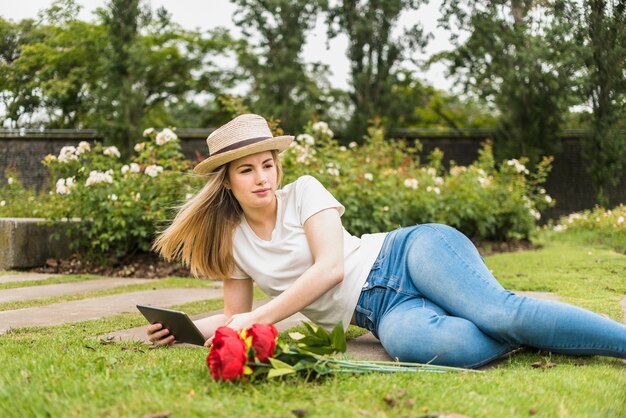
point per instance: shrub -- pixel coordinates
(120, 205)
(596, 226)
(17, 201)
(383, 185)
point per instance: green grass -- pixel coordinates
(591, 277)
(65, 371)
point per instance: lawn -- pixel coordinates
(66, 371)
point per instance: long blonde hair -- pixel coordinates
(201, 234)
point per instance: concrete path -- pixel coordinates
(95, 308)
(50, 290)
(539, 295)
(25, 277)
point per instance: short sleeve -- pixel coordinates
(312, 197)
(238, 273)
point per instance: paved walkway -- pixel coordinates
(95, 308)
(50, 290)
(363, 347)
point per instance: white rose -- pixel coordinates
(368, 176)
(333, 172)
(67, 154)
(319, 126)
(165, 136)
(83, 146)
(112, 151)
(61, 187)
(411, 183)
(306, 138)
(148, 131)
(99, 177)
(153, 170)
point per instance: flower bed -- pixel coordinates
(382, 183)
(596, 226)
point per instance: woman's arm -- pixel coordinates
(238, 295)
(237, 299)
(324, 234)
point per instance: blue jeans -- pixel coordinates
(430, 298)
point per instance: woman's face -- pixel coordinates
(252, 180)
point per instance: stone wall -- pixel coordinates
(567, 183)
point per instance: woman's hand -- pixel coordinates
(242, 321)
(159, 336)
(236, 322)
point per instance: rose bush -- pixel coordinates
(17, 201)
(384, 185)
(596, 226)
(120, 205)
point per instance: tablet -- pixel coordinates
(179, 324)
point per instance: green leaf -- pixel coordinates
(338, 338)
(279, 368)
(296, 336)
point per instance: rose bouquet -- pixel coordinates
(257, 352)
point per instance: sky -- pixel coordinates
(208, 14)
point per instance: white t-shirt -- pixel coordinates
(276, 264)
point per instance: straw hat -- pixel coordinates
(245, 135)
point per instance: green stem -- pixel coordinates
(412, 365)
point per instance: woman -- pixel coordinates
(424, 291)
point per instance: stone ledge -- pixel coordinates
(27, 242)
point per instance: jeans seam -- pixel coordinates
(555, 347)
(462, 259)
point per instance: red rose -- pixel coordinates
(227, 357)
(263, 340)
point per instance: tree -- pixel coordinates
(602, 37)
(375, 55)
(518, 56)
(17, 95)
(150, 63)
(47, 76)
(282, 85)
